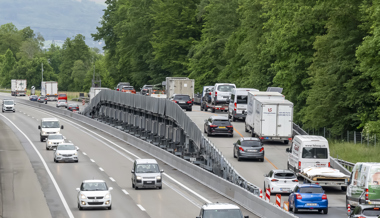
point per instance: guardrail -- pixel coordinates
(346, 164)
(226, 187)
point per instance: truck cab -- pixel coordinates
(49, 126)
(222, 92)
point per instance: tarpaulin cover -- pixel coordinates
(322, 172)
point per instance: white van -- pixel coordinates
(308, 151)
(49, 126)
(364, 184)
(8, 105)
(238, 103)
(222, 92)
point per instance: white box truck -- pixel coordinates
(179, 86)
(95, 90)
(18, 87)
(50, 90)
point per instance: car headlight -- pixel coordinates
(43, 132)
(82, 196)
(58, 154)
(75, 153)
(107, 196)
(158, 177)
(138, 177)
(50, 143)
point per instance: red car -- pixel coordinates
(128, 89)
(62, 97)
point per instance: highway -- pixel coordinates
(101, 156)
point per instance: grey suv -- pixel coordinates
(146, 174)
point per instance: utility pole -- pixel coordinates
(42, 71)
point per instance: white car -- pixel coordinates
(62, 103)
(54, 140)
(280, 181)
(8, 105)
(94, 193)
(211, 210)
(66, 152)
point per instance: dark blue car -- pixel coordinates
(33, 98)
(309, 197)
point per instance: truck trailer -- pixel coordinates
(179, 86)
(50, 90)
(18, 87)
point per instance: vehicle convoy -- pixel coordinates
(308, 197)
(49, 126)
(121, 84)
(18, 87)
(365, 211)
(218, 125)
(179, 86)
(199, 96)
(50, 90)
(146, 174)
(221, 93)
(364, 185)
(54, 140)
(183, 101)
(8, 105)
(222, 210)
(309, 158)
(66, 152)
(95, 90)
(94, 194)
(237, 103)
(280, 181)
(249, 148)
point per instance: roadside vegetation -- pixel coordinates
(355, 152)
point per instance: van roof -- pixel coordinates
(275, 101)
(266, 93)
(219, 206)
(50, 119)
(368, 163)
(309, 138)
(244, 90)
(145, 161)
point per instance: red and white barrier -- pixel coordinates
(278, 200)
(286, 206)
(267, 195)
(349, 209)
(261, 193)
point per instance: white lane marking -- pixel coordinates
(47, 170)
(84, 153)
(141, 207)
(183, 195)
(92, 160)
(112, 179)
(82, 128)
(125, 192)
(101, 169)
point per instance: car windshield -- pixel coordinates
(182, 97)
(242, 99)
(94, 186)
(223, 213)
(73, 105)
(221, 123)
(66, 147)
(128, 87)
(147, 168)
(315, 153)
(286, 175)
(62, 101)
(55, 137)
(50, 124)
(8, 102)
(225, 88)
(62, 95)
(251, 143)
(371, 212)
(317, 190)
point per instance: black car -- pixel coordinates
(366, 211)
(183, 101)
(218, 125)
(72, 107)
(249, 148)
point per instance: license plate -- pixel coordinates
(312, 204)
(182, 102)
(284, 189)
(148, 182)
(222, 127)
(374, 202)
(252, 150)
(96, 200)
(225, 96)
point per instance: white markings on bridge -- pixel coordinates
(92, 160)
(101, 169)
(112, 179)
(125, 192)
(141, 207)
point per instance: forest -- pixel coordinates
(325, 54)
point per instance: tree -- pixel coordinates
(9, 62)
(10, 38)
(78, 75)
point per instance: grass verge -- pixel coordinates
(355, 152)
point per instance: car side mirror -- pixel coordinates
(77, 189)
(287, 150)
(132, 171)
(39, 127)
(77, 148)
(162, 171)
(62, 127)
(110, 189)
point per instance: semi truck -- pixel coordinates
(179, 86)
(18, 87)
(50, 90)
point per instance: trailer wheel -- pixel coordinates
(253, 133)
(213, 110)
(201, 107)
(344, 188)
(245, 129)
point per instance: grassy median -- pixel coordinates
(355, 152)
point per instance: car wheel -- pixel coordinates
(76, 161)
(110, 207)
(234, 153)
(55, 160)
(160, 187)
(79, 207)
(133, 185)
(233, 119)
(295, 210)
(253, 134)
(136, 188)
(201, 108)
(288, 166)
(344, 188)
(213, 110)
(14, 111)
(47, 148)
(41, 139)
(191, 109)
(262, 160)
(325, 211)
(228, 115)
(245, 129)
(238, 157)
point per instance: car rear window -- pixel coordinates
(253, 143)
(182, 97)
(55, 137)
(222, 213)
(286, 175)
(315, 153)
(311, 190)
(225, 88)
(242, 99)
(371, 212)
(221, 123)
(128, 87)
(62, 95)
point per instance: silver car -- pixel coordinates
(146, 174)
(54, 140)
(62, 103)
(66, 152)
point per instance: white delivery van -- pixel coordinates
(238, 103)
(222, 92)
(49, 126)
(364, 184)
(308, 151)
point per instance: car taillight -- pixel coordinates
(216, 93)
(274, 180)
(117, 89)
(175, 101)
(299, 165)
(298, 196)
(329, 164)
(295, 180)
(241, 149)
(366, 194)
(229, 126)
(235, 106)
(262, 149)
(189, 102)
(210, 93)
(290, 139)
(324, 197)
(213, 126)
(261, 137)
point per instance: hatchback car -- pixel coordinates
(280, 181)
(62, 103)
(365, 211)
(249, 148)
(66, 152)
(183, 101)
(146, 174)
(94, 193)
(54, 140)
(33, 98)
(309, 197)
(72, 107)
(218, 125)
(42, 99)
(222, 210)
